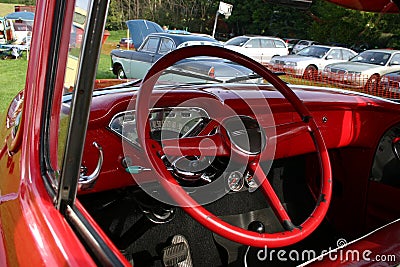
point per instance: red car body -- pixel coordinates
(38, 229)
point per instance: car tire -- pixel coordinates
(310, 73)
(120, 72)
(372, 83)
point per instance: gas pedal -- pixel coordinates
(178, 253)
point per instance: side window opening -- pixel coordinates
(395, 60)
(266, 43)
(279, 44)
(335, 54)
(255, 43)
(347, 55)
(150, 45)
(166, 46)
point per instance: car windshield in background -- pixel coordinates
(22, 27)
(189, 43)
(369, 57)
(313, 51)
(238, 41)
(203, 69)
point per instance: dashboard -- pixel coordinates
(165, 123)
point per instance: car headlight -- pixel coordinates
(385, 80)
(327, 69)
(354, 72)
(291, 64)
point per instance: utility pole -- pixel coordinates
(224, 9)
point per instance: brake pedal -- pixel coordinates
(178, 253)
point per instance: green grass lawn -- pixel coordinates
(103, 70)
(13, 75)
(115, 36)
(13, 72)
(6, 9)
(12, 79)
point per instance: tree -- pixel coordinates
(323, 22)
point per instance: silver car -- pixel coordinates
(364, 70)
(390, 82)
(311, 60)
(302, 44)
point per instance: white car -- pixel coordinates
(311, 60)
(260, 48)
(364, 70)
(302, 44)
(21, 31)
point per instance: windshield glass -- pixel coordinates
(189, 43)
(372, 57)
(198, 70)
(22, 27)
(238, 41)
(314, 51)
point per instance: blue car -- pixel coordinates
(135, 63)
(152, 42)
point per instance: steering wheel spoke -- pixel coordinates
(271, 196)
(154, 147)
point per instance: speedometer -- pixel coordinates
(165, 123)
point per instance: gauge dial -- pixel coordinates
(235, 181)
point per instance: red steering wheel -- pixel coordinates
(292, 233)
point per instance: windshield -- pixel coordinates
(189, 43)
(314, 51)
(238, 41)
(22, 27)
(202, 69)
(372, 57)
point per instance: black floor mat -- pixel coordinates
(120, 216)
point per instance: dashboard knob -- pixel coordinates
(257, 226)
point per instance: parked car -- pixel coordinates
(364, 70)
(290, 42)
(152, 173)
(259, 48)
(21, 31)
(124, 42)
(390, 82)
(302, 44)
(10, 51)
(135, 64)
(311, 60)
